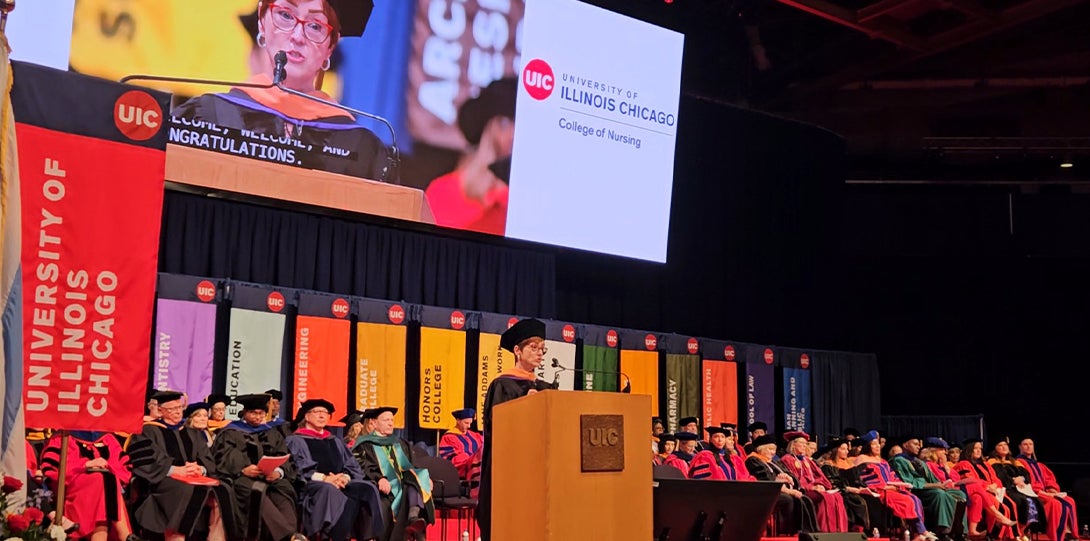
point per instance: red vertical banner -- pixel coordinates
(720, 401)
(322, 336)
(91, 156)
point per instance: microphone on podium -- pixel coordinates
(556, 377)
(391, 172)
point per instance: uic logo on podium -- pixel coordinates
(601, 442)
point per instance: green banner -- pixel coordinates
(682, 398)
(600, 366)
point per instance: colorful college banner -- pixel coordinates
(601, 359)
(760, 384)
(719, 373)
(640, 365)
(492, 360)
(796, 390)
(683, 387)
(322, 338)
(255, 342)
(442, 366)
(559, 364)
(380, 356)
(89, 246)
(185, 335)
(12, 428)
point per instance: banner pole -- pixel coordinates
(6, 7)
(59, 516)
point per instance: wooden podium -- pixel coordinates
(569, 465)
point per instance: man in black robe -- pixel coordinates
(526, 340)
(173, 467)
(265, 501)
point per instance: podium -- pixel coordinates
(571, 465)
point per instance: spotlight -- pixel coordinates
(1067, 162)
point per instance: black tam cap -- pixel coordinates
(214, 399)
(352, 418)
(688, 420)
(496, 99)
(192, 408)
(1002, 439)
(833, 444)
(312, 403)
(713, 430)
(353, 15)
(526, 328)
(465, 413)
(166, 396)
(764, 440)
(759, 425)
(275, 393)
(851, 432)
(969, 442)
(253, 402)
(667, 437)
(729, 426)
(687, 436)
(373, 413)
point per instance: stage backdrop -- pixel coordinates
(322, 339)
(719, 372)
(255, 343)
(442, 366)
(185, 334)
(380, 356)
(640, 363)
(91, 155)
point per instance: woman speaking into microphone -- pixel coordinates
(307, 32)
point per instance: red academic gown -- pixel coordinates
(680, 461)
(1059, 511)
(832, 516)
(977, 496)
(901, 502)
(90, 497)
(985, 476)
(464, 451)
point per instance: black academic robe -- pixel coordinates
(364, 453)
(236, 109)
(239, 445)
(501, 390)
(166, 503)
(793, 515)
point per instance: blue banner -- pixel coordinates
(796, 399)
(760, 385)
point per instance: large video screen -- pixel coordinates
(551, 121)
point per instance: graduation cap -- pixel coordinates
(688, 420)
(465, 413)
(687, 436)
(759, 425)
(869, 436)
(275, 393)
(656, 419)
(253, 402)
(851, 432)
(795, 434)
(192, 408)
(524, 329)
(833, 444)
(166, 396)
(901, 440)
(764, 440)
(935, 442)
(496, 99)
(969, 442)
(353, 417)
(729, 426)
(713, 430)
(373, 413)
(667, 437)
(1003, 439)
(353, 15)
(214, 399)
(312, 403)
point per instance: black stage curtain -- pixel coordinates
(845, 392)
(952, 428)
(287, 248)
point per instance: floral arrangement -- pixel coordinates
(26, 525)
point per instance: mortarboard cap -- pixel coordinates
(312, 403)
(353, 15)
(275, 393)
(496, 99)
(214, 399)
(935, 442)
(833, 444)
(851, 432)
(759, 425)
(166, 396)
(764, 440)
(352, 418)
(373, 413)
(524, 329)
(253, 402)
(192, 408)
(667, 437)
(465, 413)
(713, 430)
(688, 420)
(687, 436)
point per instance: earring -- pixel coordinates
(261, 40)
(325, 65)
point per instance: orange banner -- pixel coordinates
(380, 368)
(643, 369)
(720, 392)
(321, 360)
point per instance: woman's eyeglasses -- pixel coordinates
(285, 20)
(537, 348)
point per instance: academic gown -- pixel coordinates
(717, 466)
(327, 510)
(832, 516)
(375, 455)
(679, 460)
(944, 508)
(862, 509)
(275, 113)
(984, 476)
(792, 515)
(239, 445)
(877, 475)
(168, 503)
(464, 449)
(90, 496)
(1030, 509)
(1059, 510)
(507, 386)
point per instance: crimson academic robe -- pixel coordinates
(463, 449)
(1059, 510)
(679, 460)
(90, 496)
(983, 477)
(877, 475)
(717, 466)
(832, 516)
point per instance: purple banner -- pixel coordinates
(760, 386)
(796, 399)
(185, 339)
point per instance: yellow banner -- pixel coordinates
(442, 376)
(643, 368)
(492, 361)
(380, 368)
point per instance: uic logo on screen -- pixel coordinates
(538, 79)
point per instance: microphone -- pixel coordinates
(280, 60)
(556, 377)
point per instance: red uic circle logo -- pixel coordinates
(275, 301)
(728, 353)
(650, 342)
(137, 115)
(396, 314)
(206, 290)
(511, 322)
(538, 79)
(339, 308)
(611, 338)
(568, 333)
(768, 356)
(804, 361)
(693, 346)
(457, 320)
